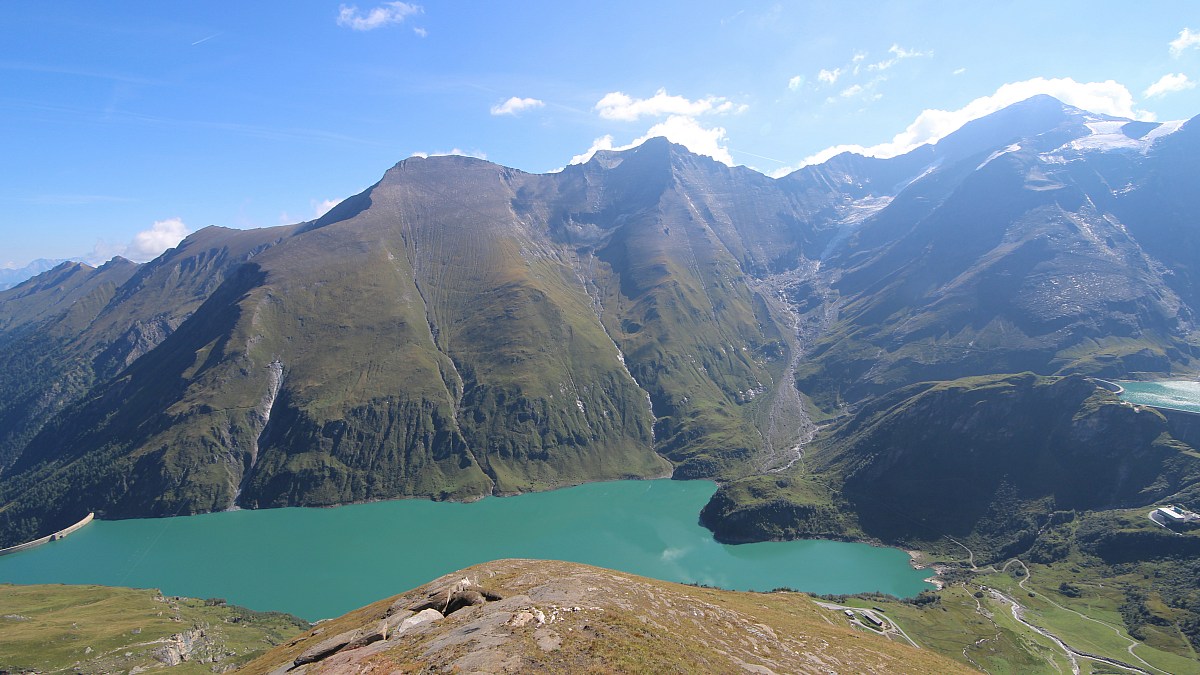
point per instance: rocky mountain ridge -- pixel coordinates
(513, 616)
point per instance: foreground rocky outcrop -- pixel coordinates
(513, 616)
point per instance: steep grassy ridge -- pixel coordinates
(434, 342)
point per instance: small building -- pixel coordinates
(872, 619)
(1176, 515)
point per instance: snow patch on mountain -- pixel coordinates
(1112, 135)
(1012, 148)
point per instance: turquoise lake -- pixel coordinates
(320, 563)
(1177, 394)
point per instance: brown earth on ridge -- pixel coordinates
(551, 616)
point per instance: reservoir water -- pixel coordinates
(1177, 394)
(320, 563)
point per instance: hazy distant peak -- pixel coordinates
(12, 276)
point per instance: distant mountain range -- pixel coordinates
(461, 328)
(10, 277)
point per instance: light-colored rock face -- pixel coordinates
(563, 617)
(424, 616)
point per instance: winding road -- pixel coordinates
(1018, 612)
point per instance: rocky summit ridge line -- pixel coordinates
(462, 329)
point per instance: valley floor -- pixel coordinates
(1015, 618)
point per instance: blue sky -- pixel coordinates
(126, 125)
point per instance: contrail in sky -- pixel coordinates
(205, 39)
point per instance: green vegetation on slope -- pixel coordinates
(1000, 480)
(99, 629)
(434, 342)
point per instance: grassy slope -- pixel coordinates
(38, 323)
(91, 629)
(445, 337)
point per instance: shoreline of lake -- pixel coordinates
(1182, 395)
(320, 562)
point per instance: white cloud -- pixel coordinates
(678, 129)
(898, 54)
(162, 235)
(477, 154)
(796, 82)
(421, 32)
(618, 105)
(515, 105)
(322, 207)
(1168, 84)
(852, 90)
(959, 71)
(1186, 40)
(605, 142)
(1109, 97)
(680, 125)
(693, 136)
(386, 14)
(864, 92)
(145, 245)
(829, 76)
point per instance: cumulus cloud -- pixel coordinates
(1186, 40)
(515, 105)
(1167, 84)
(796, 82)
(678, 129)
(477, 154)
(605, 142)
(322, 207)
(852, 90)
(829, 76)
(145, 245)
(1109, 97)
(386, 14)
(162, 235)
(680, 126)
(620, 106)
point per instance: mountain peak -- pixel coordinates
(1031, 117)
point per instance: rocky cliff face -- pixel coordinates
(461, 328)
